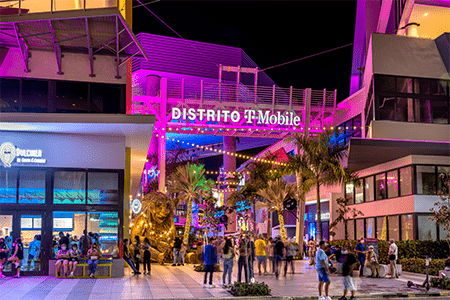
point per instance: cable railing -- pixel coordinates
(19, 7)
(202, 91)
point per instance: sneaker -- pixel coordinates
(343, 298)
(321, 298)
(16, 264)
(204, 285)
(145, 273)
(352, 298)
(71, 275)
(211, 286)
(327, 298)
(178, 264)
(174, 265)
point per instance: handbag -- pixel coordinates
(392, 257)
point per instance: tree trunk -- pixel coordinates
(187, 226)
(300, 228)
(282, 229)
(319, 219)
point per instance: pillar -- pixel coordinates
(229, 165)
(162, 127)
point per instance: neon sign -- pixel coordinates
(250, 115)
(9, 152)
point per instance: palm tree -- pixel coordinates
(274, 195)
(189, 183)
(321, 159)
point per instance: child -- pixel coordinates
(74, 253)
(147, 255)
(3, 252)
(17, 256)
(347, 271)
(62, 260)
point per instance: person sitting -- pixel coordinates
(94, 255)
(62, 260)
(74, 253)
(372, 262)
(127, 257)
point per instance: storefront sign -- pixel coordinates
(136, 206)
(250, 115)
(9, 153)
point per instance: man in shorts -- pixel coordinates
(347, 271)
(260, 250)
(323, 271)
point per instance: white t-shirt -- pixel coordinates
(393, 249)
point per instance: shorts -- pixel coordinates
(74, 259)
(261, 259)
(323, 275)
(62, 260)
(348, 283)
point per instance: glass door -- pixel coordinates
(31, 236)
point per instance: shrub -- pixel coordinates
(201, 268)
(417, 265)
(441, 283)
(239, 289)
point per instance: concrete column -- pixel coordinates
(229, 165)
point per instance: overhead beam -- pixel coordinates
(128, 58)
(90, 50)
(56, 47)
(23, 48)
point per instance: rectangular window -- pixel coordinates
(369, 187)
(106, 98)
(440, 112)
(360, 230)
(370, 226)
(380, 186)
(404, 85)
(72, 223)
(8, 185)
(438, 87)
(407, 227)
(394, 228)
(382, 228)
(34, 96)
(351, 229)
(406, 181)
(69, 187)
(422, 110)
(9, 95)
(422, 86)
(427, 228)
(443, 175)
(392, 184)
(385, 83)
(103, 188)
(426, 180)
(357, 126)
(386, 108)
(359, 192)
(71, 97)
(105, 226)
(405, 110)
(32, 186)
(349, 188)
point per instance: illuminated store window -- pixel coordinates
(359, 192)
(349, 195)
(69, 187)
(71, 223)
(407, 227)
(394, 228)
(380, 186)
(360, 229)
(392, 184)
(369, 187)
(32, 186)
(426, 180)
(370, 228)
(426, 227)
(103, 188)
(8, 185)
(406, 183)
(382, 229)
(104, 226)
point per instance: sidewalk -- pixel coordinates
(167, 282)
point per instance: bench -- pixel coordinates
(105, 261)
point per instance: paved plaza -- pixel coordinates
(167, 282)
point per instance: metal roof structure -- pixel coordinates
(93, 31)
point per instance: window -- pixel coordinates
(443, 233)
(443, 173)
(370, 226)
(385, 84)
(9, 95)
(72, 223)
(357, 126)
(426, 180)
(32, 186)
(386, 108)
(360, 229)
(405, 112)
(382, 228)
(71, 97)
(406, 181)
(380, 186)
(349, 188)
(438, 87)
(369, 187)
(427, 228)
(422, 110)
(351, 229)
(105, 226)
(359, 192)
(440, 112)
(103, 188)
(34, 96)
(404, 85)
(8, 185)
(394, 228)
(69, 187)
(392, 184)
(407, 227)
(106, 98)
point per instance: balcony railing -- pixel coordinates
(36, 6)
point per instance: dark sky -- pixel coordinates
(270, 32)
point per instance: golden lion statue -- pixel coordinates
(156, 222)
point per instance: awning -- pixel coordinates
(365, 153)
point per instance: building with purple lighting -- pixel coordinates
(70, 156)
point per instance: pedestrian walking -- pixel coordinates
(243, 259)
(311, 251)
(183, 251)
(291, 251)
(147, 256)
(347, 276)
(176, 251)
(360, 250)
(393, 256)
(372, 262)
(269, 248)
(260, 251)
(323, 271)
(209, 260)
(251, 257)
(228, 261)
(278, 253)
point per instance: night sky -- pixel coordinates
(270, 32)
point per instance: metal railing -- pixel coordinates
(35, 6)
